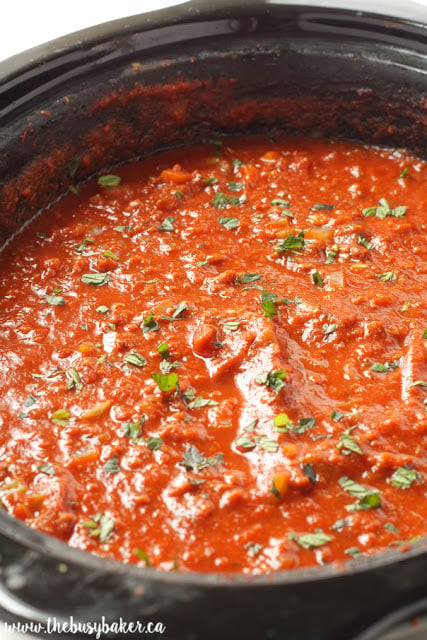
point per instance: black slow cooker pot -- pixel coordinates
(131, 88)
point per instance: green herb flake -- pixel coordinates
(322, 207)
(292, 243)
(132, 429)
(199, 402)
(102, 309)
(163, 350)
(309, 472)
(330, 256)
(100, 526)
(229, 222)
(82, 245)
(363, 240)
(231, 325)
(47, 468)
(280, 202)
(404, 477)
(29, 401)
(266, 443)
(425, 333)
(165, 382)
(149, 324)
(179, 194)
(329, 329)
(383, 210)
(247, 278)
(311, 540)
(154, 444)
(384, 368)
(389, 276)
(339, 525)
(142, 556)
(348, 444)
(167, 224)
(73, 379)
(96, 279)
(55, 301)
(178, 313)
(368, 498)
(275, 379)
(236, 186)
(194, 460)
(268, 303)
(135, 358)
(245, 442)
(109, 180)
(112, 465)
(354, 552)
(390, 527)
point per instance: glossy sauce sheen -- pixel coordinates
(278, 288)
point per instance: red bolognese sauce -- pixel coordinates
(215, 359)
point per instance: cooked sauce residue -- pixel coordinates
(216, 359)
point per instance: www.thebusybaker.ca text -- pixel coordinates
(91, 628)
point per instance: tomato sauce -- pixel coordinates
(215, 359)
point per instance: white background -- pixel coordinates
(27, 23)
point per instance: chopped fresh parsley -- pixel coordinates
(196, 461)
(328, 329)
(268, 303)
(383, 209)
(324, 207)
(229, 222)
(73, 379)
(165, 381)
(274, 379)
(95, 279)
(267, 444)
(154, 444)
(384, 368)
(135, 358)
(112, 465)
(100, 526)
(55, 301)
(292, 243)
(404, 477)
(109, 180)
(348, 444)
(245, 442)
(102, 309)
(311, 540)
(202, 402)
(178, 313)
(167, 224)
(47, 468)
(247, 278)
(363, 240)
(368, 498)
(149, 324)
(309, 472)
(389, 276)
(317, 279)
